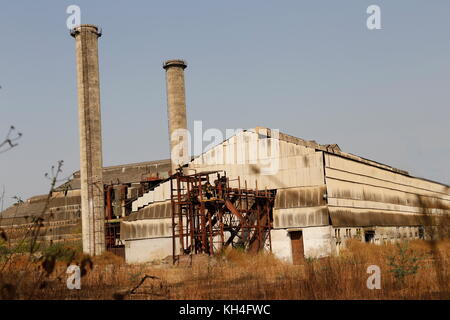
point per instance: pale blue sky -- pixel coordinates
(309, 68)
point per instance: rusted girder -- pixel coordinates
(208, 216)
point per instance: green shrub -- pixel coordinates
(4, 250)
(404, 262)
(60, 252)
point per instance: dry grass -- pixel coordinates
(237, 275)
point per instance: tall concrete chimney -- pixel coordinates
(91, 160)
(176, 111)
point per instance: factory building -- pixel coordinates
(323, 197)
(260, 189)
(61, 212)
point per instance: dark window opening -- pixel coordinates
(421, 233)
(369, 235)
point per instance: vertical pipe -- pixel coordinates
(191, 224)
(222, 237)
(269, 222)
(180, 217)
(109, 213)
(91, 161)
(202, 214)
(172, 199)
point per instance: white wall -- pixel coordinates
(316, 242)
(281, 244)
(145, 250)
(363, 195)
(248, 156)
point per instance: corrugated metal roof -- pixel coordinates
(23, 212)
(351, 217)
(127, 173)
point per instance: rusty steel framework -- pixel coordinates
(210, 216)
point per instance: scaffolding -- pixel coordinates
(209, 216)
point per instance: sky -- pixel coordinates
(311, 69)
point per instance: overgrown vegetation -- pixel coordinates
(26, 255)
(238, 275)
(404, 263)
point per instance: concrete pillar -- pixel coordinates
(176, 112)
(91, 160)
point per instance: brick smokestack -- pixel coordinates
(176, 111)
(91, 159)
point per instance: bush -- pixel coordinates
(23, 247)
(4, 250)
(60, 252)
(404, 262)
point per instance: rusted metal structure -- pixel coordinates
(118, 205)
(112, 237)
(208, 216)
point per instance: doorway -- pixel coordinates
(369, 236)
(298, 253)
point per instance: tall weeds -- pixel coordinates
(238, 275)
